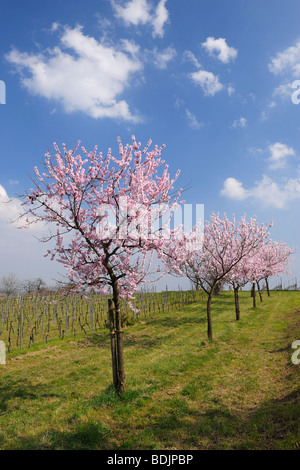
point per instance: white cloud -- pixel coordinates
(55, 26)
(82, 73)
(20, 252)
(163, 57)
(140, 12)
(134, 12)
(230, 90)
(161, 16)
(9, 211)
(233, 189)
(188, 55)
(278, 155)
(209, 82)
(193, 121)
(266, 191)
(219, 48)
(178, 102)
(284, 91)
(286, 64)
(287, 61)
(255, 150)
(241, 122)
(131, 47)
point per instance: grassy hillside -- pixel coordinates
(240, 391)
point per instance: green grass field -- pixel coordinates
(240, 391)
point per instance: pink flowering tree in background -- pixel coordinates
(103, 209)
(248, 270)
(182, 254)
(225, 244)
(271, 259)
(274, 258)
(237, 278)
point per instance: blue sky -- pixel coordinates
(210, 79)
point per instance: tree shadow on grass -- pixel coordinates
(274, 425)
(85, 436)
(284, 349)
(100, 340)
(24, 389)
(177, 321)
(143, 341)
(110, 397)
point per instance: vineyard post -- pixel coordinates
(72, 314)
(7, 310)
(43, 318)
(66, 327)
(113, 343)
(92, 314)
(21, 324)
(2, 319)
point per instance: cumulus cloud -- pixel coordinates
(9, 211)
(230, 90)
(278, 155)
(287, 61)
(163, 57)
(266, 191)
(134, 12)
(241, 122)
(82, 74)
(20, 252)
(189, 56)
(233, 189)
(286, 65)
(219, 49)
(284, 91)
(193, 121)
(140, 12)
(161, 16)
(209, 82)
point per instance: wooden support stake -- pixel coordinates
(113, 343)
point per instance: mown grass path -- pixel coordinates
(240, 391)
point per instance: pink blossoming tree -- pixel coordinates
(102, 253)
(225, 244)
(274, 259)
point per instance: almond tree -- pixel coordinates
(238, 277)
(274, 258)
(224, 245)
(102, 253)
(271, 259)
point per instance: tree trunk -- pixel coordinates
(253, 294)
(259, 291)
(113, 344)
(237, 303)
(119, 331)
(208, 311)
(267, 285)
